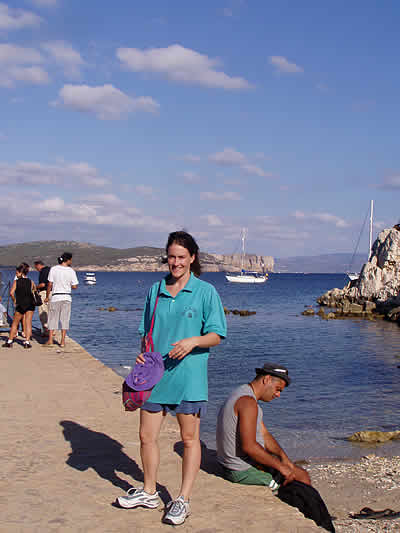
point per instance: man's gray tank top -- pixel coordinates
(229, 450)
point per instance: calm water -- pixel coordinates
(345, 373)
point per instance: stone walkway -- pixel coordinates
(67, 450)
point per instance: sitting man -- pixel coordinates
(248, 453)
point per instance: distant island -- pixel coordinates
(89, 257)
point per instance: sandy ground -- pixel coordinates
(67, 450)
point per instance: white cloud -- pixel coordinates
(189, 176)
(228, 157)
(34, 173)
(231, 157)
(180, 64)
(230, 195)
(105, 102)
(254, 170)
(283, 65)
(55, 204)
(391, 182)
(16, 19)
(65, 55)
(21, 64)
(321, 217)
(212, 220)
(35, 75)
(103, 199)
(12, 54)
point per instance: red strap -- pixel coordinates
(148, 342)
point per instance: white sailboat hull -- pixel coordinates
(245, 279)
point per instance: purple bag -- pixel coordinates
(136, 389)
(145, 376)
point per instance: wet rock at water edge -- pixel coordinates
(240, 312)
(308, 312)
(374, 436)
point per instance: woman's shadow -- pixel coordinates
(209, 461)
(92, 449)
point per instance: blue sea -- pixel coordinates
(345, 373)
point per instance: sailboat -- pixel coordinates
(246, 276)
(353, 275)
(90, 278)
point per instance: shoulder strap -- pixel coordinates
(149, 345)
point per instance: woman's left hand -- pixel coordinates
(183, 347)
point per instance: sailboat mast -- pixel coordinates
(243, 239)
(371, 218)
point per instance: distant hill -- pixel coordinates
(324, 264)
(149, 258)
(83, 253)
(144, 258)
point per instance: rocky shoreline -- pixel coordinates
(376, 292)
(347, 487)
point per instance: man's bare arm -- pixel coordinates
(272, 445)
(49, 289)
(247, 410)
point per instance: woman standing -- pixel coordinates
(21, 294)
(189, 319)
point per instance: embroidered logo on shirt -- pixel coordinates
(189, 312)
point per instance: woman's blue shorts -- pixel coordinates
(186, 408)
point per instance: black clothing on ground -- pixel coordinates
(308, 501)
(44, 277)
(24, 296)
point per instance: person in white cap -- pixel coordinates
(248, 453)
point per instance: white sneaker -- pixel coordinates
(178, 511)
(138, 498)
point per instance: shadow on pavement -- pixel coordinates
(92, 449)
(209, 462)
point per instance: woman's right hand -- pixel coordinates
(140, 359)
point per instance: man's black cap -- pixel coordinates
(276, 370)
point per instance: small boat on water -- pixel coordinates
(90, 278)
(246, 276)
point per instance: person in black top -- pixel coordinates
(42, 288)
(21, 294)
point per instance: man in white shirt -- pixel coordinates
(62, 278)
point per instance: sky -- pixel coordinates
(122, 121)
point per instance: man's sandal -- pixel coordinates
(370, 514)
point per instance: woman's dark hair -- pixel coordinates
(186, 240)
(23, 268)
(66, 256)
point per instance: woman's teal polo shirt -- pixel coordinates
(195, 310)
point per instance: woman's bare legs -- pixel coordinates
(190, 433)
(150, 425)
(28, 325)
(14, 326)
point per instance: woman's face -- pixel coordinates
(179, 260)
(18, 274)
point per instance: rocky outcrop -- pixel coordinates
(209, 263)
(377, 290)
(374, 436)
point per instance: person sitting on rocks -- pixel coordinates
(248, 453)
